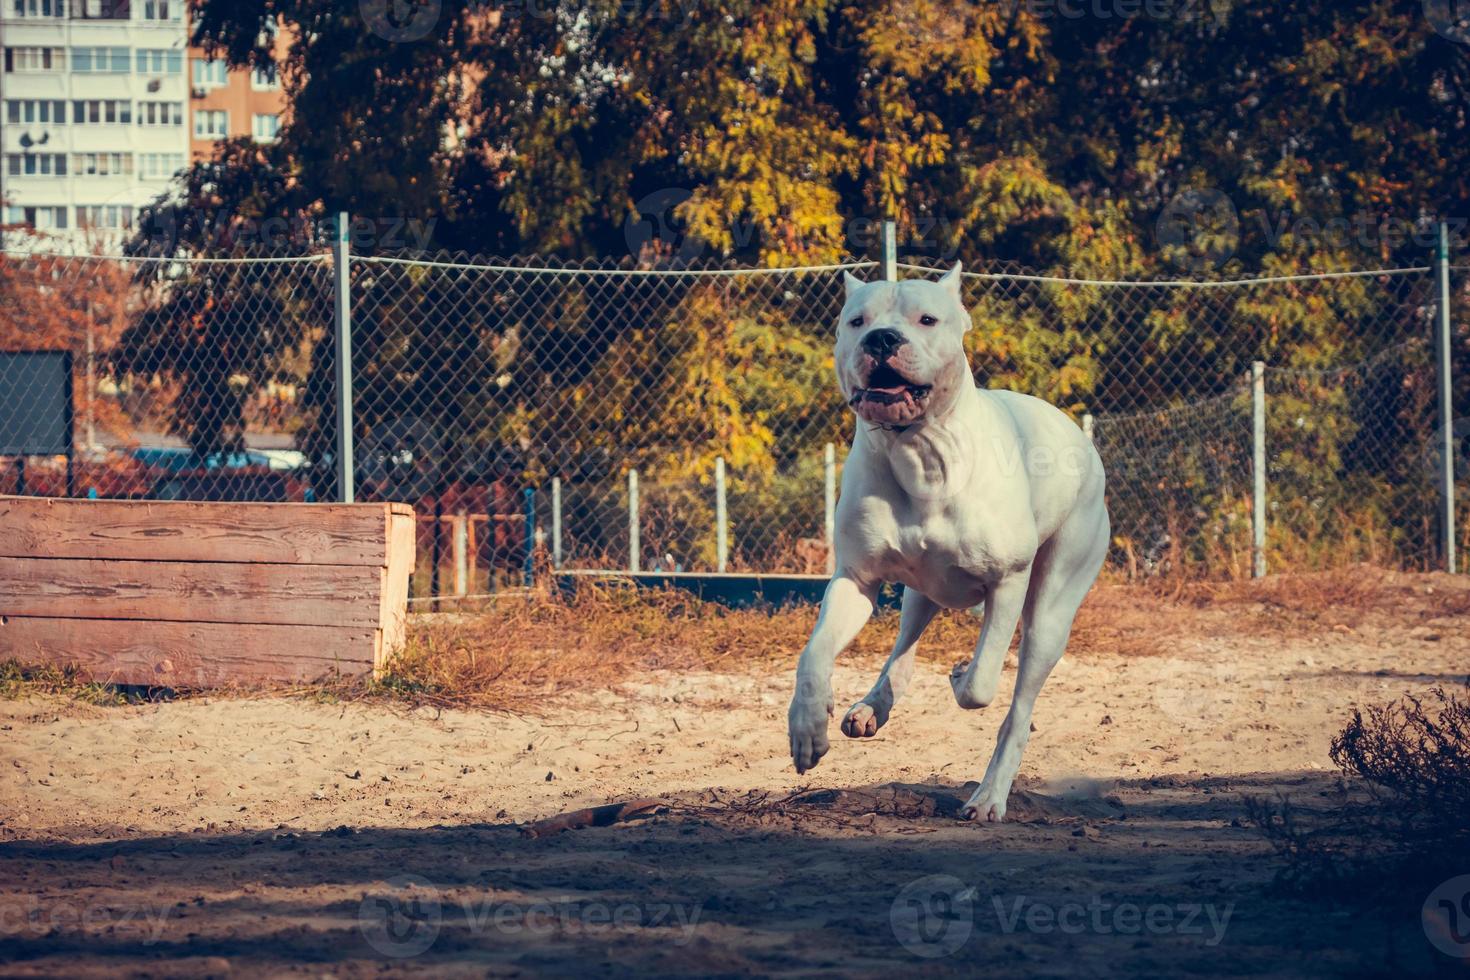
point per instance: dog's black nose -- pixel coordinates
(882, 343)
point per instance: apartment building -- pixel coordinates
(102, 103)
(227, 104)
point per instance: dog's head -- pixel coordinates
(900, 348)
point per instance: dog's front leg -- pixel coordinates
(846, 607)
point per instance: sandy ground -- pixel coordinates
(273, 836)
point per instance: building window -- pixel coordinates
(18, 111)
(160, 61)
(38, 8)
(35, 164)
(210, 73)
(101, 111)
(264, 126)
(97, 61)
(264, 79)
(211, 124)
(162, 9)
(100, 10)
(160, 113)
(42, 218)
(101, 164)
(159, 166)
(34, 59)
(109, 216)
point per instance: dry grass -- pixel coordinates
(1399, 819)
(520, 652)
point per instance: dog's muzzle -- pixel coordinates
(889, 399)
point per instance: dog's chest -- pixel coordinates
(951, 561)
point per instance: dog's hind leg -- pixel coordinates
(1064, 571)
(871, 713)
(974, 681)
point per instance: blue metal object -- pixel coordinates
(736, 590)
(530, 537)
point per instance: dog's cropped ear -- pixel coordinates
(951, 279)
(852, 284)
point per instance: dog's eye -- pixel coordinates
(928, 320)
(856, 321)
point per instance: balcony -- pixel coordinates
(101, 9)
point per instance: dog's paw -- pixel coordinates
(964, 695)
(863, 720)
(985, 806)
(807, 724)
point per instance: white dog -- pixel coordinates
(963, 495)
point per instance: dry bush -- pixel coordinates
(1400, 815)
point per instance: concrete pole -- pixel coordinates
(461, 552)
(1258, 469)
(556, 522)
(341, 258)
(829, 500)
(722, 539)
(634, 545)
(890, 251)
(1446, 408)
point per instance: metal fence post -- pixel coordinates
(1446, 407)
(829, 494)
(634, 546)
(890, 251)
(1258, 469)
(341, 257)
(530, 567)
(556, 522)
(722, 541)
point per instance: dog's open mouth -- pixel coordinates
(889, 398)
(887, 387)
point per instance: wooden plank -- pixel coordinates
(186, 654)
(393, 611)
(170, 530)
(192, 592)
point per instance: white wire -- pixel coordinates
(1169, 283)
(593, 271)
(20, 254)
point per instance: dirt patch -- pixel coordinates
(273, 835)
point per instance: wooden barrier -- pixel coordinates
(183, 594)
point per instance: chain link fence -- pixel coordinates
(475, 381)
